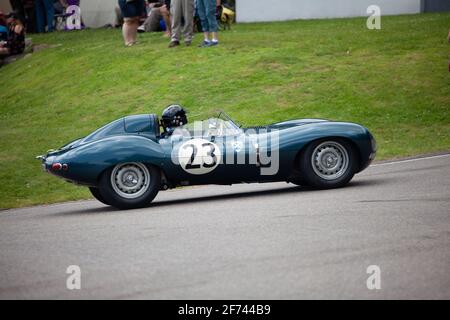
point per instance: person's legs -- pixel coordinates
(166, 16)
(50, 14)
(133, 31)
(40, 17)
(129, 30)
(151, 24)
(147, 23)
(212, 20)
(201, 9)
(126, 21)
(188, 14)
(176, 13)
(131, 13)
(125, 31)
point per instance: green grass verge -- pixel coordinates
(395, 81)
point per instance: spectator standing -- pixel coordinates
(45, 14)
(131, 11)
(207, 13)
(182, 10)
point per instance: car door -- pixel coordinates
(240, 158)
(193, 157)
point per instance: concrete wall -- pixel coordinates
(270, 10)
(97, 13)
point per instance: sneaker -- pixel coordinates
(173, 44)
(141, 29)
(204, 44)
(213, 43)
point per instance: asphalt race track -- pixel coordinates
(259, 241)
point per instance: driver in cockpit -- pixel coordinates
(173, 117)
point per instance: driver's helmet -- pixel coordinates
(173, 116)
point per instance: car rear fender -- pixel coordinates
(87, 162)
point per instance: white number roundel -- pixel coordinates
(199, 156)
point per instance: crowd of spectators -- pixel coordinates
(176, 18)
(39, 15)
(28, 16)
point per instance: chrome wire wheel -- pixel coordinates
(130, 180)
(330, 160)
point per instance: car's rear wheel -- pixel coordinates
(130, 185)
(329, 163)
(97, 195)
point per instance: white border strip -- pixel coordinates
(410, 160)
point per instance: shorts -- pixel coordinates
(132, 9)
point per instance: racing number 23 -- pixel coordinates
(199, 156)
(210, 155)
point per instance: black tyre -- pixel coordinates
(97, 195)
(328, 163)
(130, 185)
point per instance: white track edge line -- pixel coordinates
(410, 160)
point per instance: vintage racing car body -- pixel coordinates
(126, 162)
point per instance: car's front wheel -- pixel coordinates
(130, 185)
(329, 163)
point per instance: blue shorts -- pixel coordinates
(132, 9)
